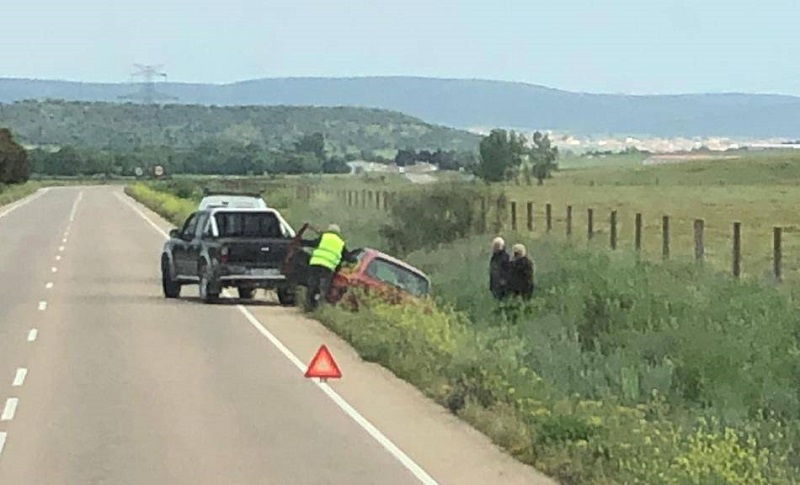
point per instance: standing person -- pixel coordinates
(520, 273)
(498, 268)
(329, 250)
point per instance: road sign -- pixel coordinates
(323, 366)
(158, 170)
(139, 172)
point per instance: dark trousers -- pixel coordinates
(319, 282)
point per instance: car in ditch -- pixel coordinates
(376, 272)
(223, 248)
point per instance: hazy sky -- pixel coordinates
(633, 46)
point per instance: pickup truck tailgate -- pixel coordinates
(257, 253)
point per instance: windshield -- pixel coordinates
(397, 276)
(248, 224)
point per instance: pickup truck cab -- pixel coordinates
(232, 201)
(225, 247)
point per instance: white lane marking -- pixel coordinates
(2, 442)
(64, 240)
(23, 202)
(58, 257)
(32, 335)
(49, 285)
(75, 207)
(61, 248)
(19, 377)
(54, 269)
(10, 409)
(42, 305)
(374, 432)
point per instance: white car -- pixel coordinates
(232, 201)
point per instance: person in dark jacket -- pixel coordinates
(520, 273)
(498, 268)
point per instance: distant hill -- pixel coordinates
(127, 126)
(475, 103)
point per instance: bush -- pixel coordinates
(432, 216)
(170, 207)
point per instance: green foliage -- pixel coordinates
(127, 127)
(501, 154)
(11, 193)
(432, 216)
(14, 165)
(543, 157)
(168, 206)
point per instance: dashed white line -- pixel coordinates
(19, 377)
(75, 206)
(42, 305)
(32, 335)
(61, 248)
(10, 409)
(49, 285)
(58, 257)
(2, 441)
(64, 240)
(54, 269)
(374, 432)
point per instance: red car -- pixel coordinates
(374, 271)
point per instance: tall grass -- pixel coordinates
(11, 193)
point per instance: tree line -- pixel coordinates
(15, 167)
(507, 155)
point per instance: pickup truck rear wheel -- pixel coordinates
(287, 295)
(209, 289)
(172, 289)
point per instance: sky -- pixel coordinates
(610, 46)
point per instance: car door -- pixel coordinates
(180, 252)
(195, 246)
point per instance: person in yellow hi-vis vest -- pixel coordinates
(329, 251)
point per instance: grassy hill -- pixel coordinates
(472, 103)
(125, 126)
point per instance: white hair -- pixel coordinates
(498, 243)
(518, 250)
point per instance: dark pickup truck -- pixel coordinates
(220, 248)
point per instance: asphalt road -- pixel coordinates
(103, 381)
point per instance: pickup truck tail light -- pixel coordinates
(223, 254)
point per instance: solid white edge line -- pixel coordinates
(374, 432)
(19, 377)
(27, 200)
(2, 442)
(32, 335)
(10, 409)
(42, 305)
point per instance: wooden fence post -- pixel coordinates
(776, 252)
(355, 198)
(569, 220)
(385, 200)
(513, 216)
(665, 237)
(548, 209)
(529, 208)
(637, 233)
(363, 197)
(737, 249)
(699, 247)
(377, 200)
(350, 198)
(370, 197)
(613, 230)
(484, 213)
(589, 224)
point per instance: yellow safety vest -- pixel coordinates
(329, 252)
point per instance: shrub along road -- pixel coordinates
(106, 381)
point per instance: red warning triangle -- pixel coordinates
(323, 366)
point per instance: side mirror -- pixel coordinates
(174, 233)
